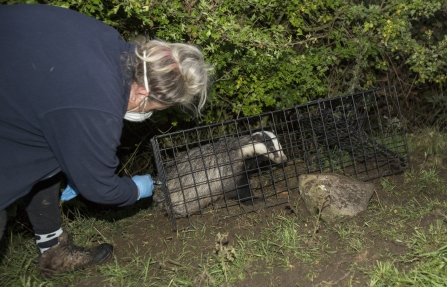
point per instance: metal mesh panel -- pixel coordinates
(204, 170)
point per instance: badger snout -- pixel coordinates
(278, 157)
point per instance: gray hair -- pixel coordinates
(176, 73)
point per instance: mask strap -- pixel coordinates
(142, 102)
(146, 85)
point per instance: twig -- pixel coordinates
(23, 225)
(242, 104)
(225, 100)
(325, 26)
(378, 199)
(317, 222)
(131, 157)
(223, 77)
(411, 87)
(395, 71)
(103, 237)
(172, 282)
(307, 40)
(165, 131)
(343, 277)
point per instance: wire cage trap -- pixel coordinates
(242, 165)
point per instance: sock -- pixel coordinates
(46, 241)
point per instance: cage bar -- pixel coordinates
(360, 135)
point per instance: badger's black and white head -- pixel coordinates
(266, 144)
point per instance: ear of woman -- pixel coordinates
(137, 95)
(141, 106)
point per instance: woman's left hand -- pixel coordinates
(69, 193)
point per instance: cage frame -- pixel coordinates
(340, 123)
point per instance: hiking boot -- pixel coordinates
(67, 257)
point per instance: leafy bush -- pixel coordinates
(275, 54)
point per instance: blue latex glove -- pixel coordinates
(145, 184)
(69, 193)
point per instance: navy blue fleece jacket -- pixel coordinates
(63, 95)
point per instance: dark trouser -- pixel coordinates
(42, 206)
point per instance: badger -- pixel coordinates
(211, 172)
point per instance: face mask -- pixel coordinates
(139, 117)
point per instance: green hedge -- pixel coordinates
(271, 54)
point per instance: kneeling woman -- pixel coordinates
(67, 81)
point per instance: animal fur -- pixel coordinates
(208, 173)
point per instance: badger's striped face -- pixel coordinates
(265, 143)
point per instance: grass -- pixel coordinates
(351, 237)
(401, 240)
(426, 261)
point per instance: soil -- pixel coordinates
(154, 234)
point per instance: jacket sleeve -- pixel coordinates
(84, 142)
